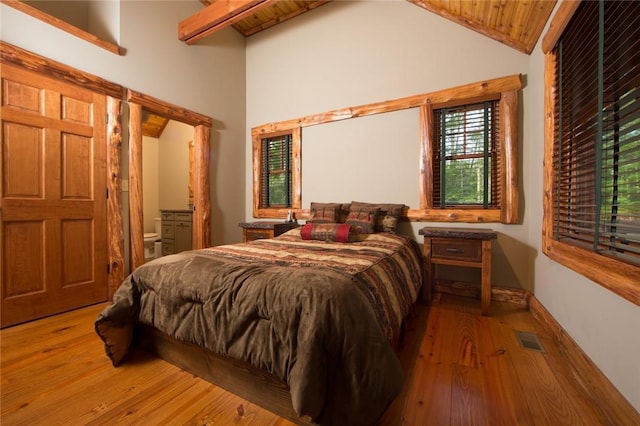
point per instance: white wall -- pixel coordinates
(98, 17)
(351, 53)
(72, 12)
(208, 78)
(104, 20)
(174, 166)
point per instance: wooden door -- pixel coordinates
(53, 251)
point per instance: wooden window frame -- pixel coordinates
(504, 88)
(296, 173)
(617, 276)
(508, 211)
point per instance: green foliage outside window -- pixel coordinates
(276, 173)
(620, 188)
(467, 144)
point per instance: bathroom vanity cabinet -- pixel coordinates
(177, 231)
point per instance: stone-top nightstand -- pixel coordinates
(256, 230)
(458, 247)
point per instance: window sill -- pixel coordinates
(455, 215)
(413, 215)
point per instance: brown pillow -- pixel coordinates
(363, 220)
(338, 232)
(388, 216)
(324, 213)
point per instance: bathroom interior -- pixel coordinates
(165, 181)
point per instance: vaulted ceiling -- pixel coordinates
(516, 23)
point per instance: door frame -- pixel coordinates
(115, 93)
(201, 185)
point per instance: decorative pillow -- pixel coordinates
(388, 216)
(362, 220)
(324, 212)
(343, 212)
(338, 232)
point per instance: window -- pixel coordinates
(466, 143)
(593, 206)
(276, 172)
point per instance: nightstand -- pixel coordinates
(257, 230)
(466, 247)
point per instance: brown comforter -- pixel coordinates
(321, 316)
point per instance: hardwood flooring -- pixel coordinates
(461, 368)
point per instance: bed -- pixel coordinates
(305, 327)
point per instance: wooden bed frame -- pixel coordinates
(238, 377)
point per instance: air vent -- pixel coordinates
(529, 340)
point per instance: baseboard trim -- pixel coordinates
(584, 370)
(466, 289)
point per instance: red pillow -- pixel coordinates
(337, 232)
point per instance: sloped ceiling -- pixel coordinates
(516, 23)
(153, 125)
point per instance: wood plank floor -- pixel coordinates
(461, 368)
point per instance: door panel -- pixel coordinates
(23, 254)
(77, 167)
(53, 204)
(22, 154)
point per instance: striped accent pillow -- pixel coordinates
(337, 232)
(363, 220)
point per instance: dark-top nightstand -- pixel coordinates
(257, 230)
(458, 247)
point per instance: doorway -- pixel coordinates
(139, 106)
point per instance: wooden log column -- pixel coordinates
(115, 223)
(135, 186)
(201, 189)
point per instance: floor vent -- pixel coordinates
(529, 340)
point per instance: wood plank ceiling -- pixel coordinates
(153, 125)
(517, 24)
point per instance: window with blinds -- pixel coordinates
(276, 172)
(596, 155)
(466, 156)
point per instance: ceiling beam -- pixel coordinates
(261, 24)
(218, 15)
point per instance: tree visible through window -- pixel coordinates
(597, 149)
(466, 152)
(276, 171)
